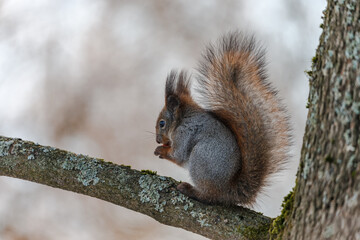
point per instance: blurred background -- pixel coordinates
(88, 76)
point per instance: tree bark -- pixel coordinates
(327, 193)
(141, 191)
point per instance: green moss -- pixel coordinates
(301, 165)
(260, 232)
(126, 166)
(314, 60)
(148, 172)
(278, 225)
(309, 73)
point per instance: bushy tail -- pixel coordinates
(233, 86)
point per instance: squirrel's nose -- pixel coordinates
(158, 139)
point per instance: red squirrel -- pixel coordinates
(238, 132)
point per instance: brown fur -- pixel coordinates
(233, 88)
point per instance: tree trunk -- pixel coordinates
(327, 193)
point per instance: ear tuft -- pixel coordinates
(170, 84)
(183, 84)
(177, 87)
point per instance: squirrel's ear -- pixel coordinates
(172, 103)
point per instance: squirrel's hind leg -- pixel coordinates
(190, 191)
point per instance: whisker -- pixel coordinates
(151, 132)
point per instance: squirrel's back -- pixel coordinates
(233, 87)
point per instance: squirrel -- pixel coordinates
(235, 135)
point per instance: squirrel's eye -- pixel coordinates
(162, 123)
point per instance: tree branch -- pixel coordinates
(141, 191)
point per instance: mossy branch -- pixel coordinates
(141, 191)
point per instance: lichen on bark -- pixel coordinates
(141, 191)
(327, 177)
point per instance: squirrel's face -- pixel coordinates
(163, 125)
(167, 120)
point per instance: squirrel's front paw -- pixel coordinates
(162, 152)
